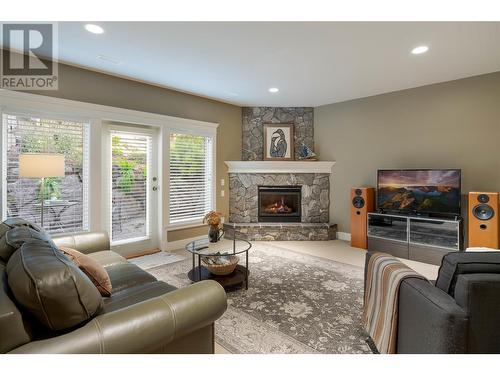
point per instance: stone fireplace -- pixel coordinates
(278, 200)
(244, 193)
(279, 204)
(304, 187)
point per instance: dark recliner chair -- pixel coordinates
(459, 313)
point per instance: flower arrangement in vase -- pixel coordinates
(213, 219)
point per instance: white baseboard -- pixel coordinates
(344, 236)
(180, 244)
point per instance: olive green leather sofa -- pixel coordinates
(47, 306)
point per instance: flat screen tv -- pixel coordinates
(419, 191)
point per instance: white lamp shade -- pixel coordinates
(41, 165)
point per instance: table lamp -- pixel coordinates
(41, 166)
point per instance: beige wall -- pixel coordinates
(449, 125)
(92, 87)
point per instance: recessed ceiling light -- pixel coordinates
(94, 29)
(419, 50)
(274, 90)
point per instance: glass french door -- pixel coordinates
(133, 186)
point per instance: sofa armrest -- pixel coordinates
(429, 320)
(145, 327)
(478, 295)
(89, 242)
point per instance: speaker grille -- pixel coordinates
(358, 192)
(358, 202)
(483, 212)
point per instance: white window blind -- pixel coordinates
(191, 173)
(130, 159)
(66, 198)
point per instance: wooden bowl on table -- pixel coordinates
(221, 269)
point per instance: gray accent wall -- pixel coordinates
(448, 125)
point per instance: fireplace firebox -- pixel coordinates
(279, 204)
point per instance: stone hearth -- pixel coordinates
(281, 231)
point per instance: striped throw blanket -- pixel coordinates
(380, 315)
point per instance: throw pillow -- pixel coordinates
(15, 237)
(51, 287)
(90, 267)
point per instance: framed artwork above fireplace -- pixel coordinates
(278, 142)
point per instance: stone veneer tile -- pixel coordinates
(243, 194)
(279, 232)
(253, 119)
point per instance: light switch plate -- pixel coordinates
(222, 193)
(222, 182)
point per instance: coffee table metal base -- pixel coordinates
(238, 277)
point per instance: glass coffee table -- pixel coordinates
(203, 248)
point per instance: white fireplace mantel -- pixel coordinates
(280, 166)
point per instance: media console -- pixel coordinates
(412, 237)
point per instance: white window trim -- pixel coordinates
(185, 225)
(97, 114)
(23, 102)
(86, 159)
(3, 169)
(192, 223)
(107, 159)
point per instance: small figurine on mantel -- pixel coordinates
(306, 154)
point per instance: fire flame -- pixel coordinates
(278, 208)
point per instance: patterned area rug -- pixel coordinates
(295, 303)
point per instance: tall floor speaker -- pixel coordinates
(362, 202)
(483, 220)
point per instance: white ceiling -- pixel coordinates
(311, 63)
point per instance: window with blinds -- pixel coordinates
(66, 198)
(191, 171)
(130, 159)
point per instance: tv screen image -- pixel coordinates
(419, 191)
